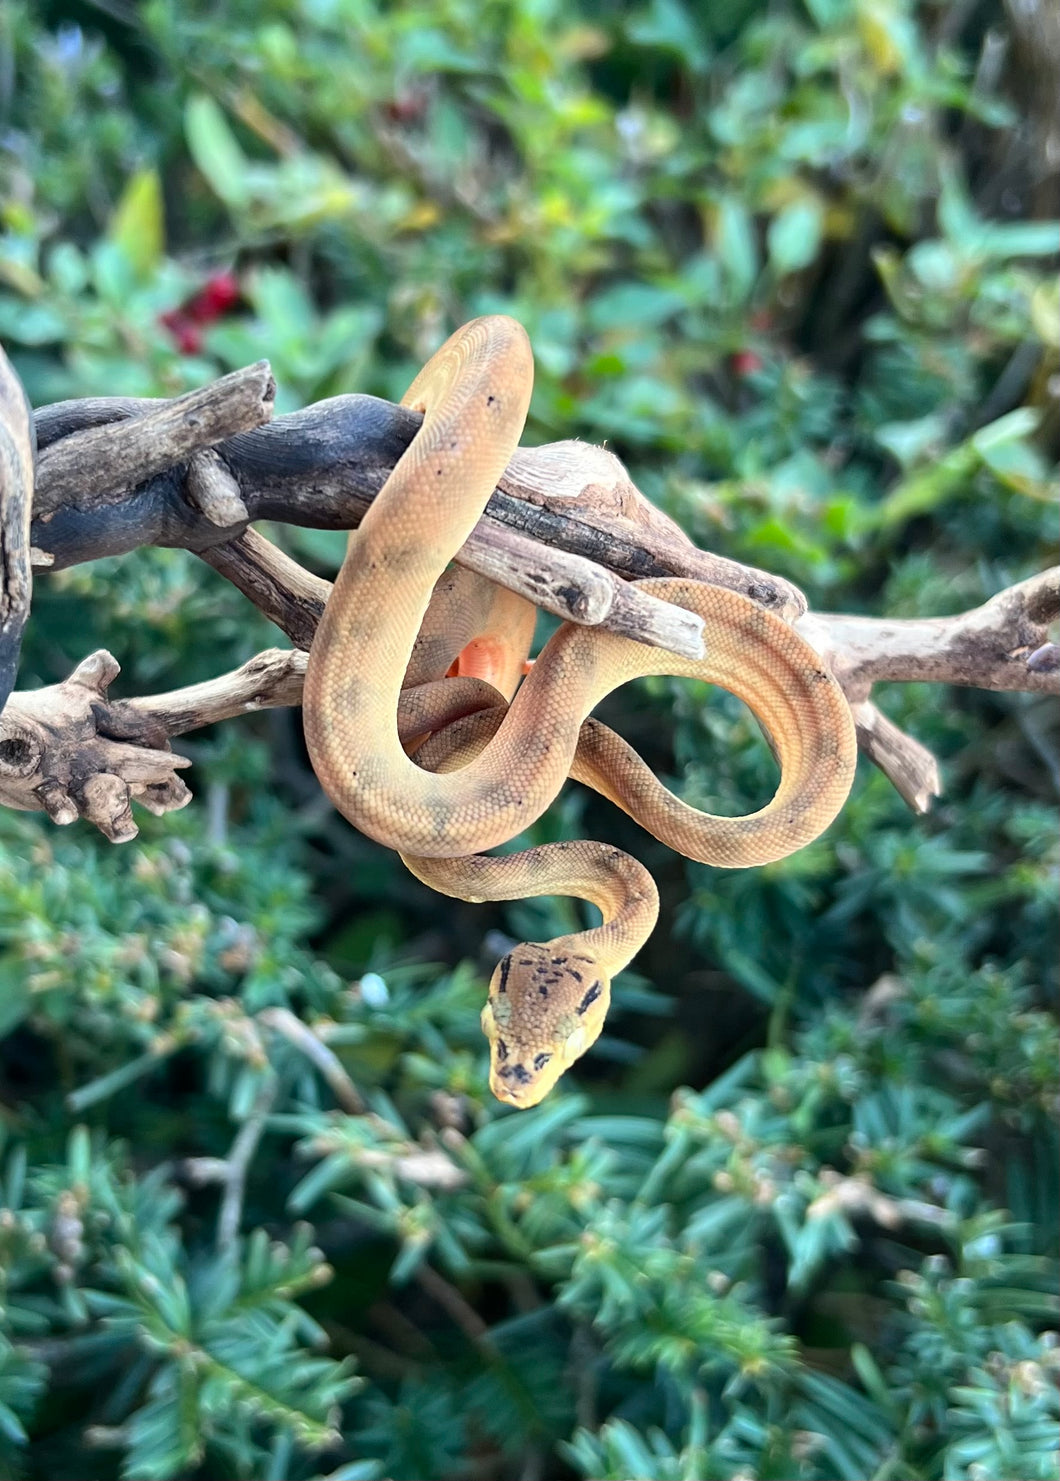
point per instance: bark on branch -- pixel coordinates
(995, 646)
(17, 449)
(1004, 644)
(98, 465)
(322, 467)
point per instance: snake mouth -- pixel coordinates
(520, 1096)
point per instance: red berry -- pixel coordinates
(745, 362)
(215, 298)
(186, 333)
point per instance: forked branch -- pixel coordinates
(566, 527)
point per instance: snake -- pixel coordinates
(442, 768)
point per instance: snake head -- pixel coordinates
(546, 1006)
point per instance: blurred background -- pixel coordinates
(795, 261)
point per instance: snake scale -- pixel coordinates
(484, 769)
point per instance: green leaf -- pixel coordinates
(215, 150)
(911, 442)
(1019, 239)
(736, 246)
(634, 306)
(956, 214)
(670, 26)
(1001, 239)
(1004, 448)
(31, 323)
(794, 235)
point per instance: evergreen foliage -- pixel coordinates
(796, 263)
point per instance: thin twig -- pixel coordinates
(324, 1059)
(908, 766)
(571, 587)
(238, 1164)
(451, 1301)
(271, 678)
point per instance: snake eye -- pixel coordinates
(590, 997)
(541, 1060)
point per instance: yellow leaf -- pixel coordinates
(884, 34)
(583, 43)
(137, 225)
(1045, 313)
(420, 216)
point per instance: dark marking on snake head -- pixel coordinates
(559, 961)
(584, 959)
(502, 1049)
(576, 975)
(541, 1060)
(490, 400)
(590, 997)
(506, 967)
(543, 990)
(516, 1072)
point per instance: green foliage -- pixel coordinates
(794, 262)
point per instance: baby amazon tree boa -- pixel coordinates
(484, 768)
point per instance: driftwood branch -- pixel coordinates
(989, 647)
(17, 449)
(908, 766)
(566, 527)
(1002, 645)
(322, 467)
(569, 586)
(57, 756)
(69, 751)
(97, 466)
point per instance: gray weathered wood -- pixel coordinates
(97, 465)
(17, 450)
(322, 466)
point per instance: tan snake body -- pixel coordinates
(483, 777)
